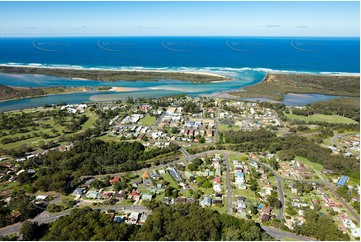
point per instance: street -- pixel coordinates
(228, 185)
(46, 217)
(278, 234)
(281, 196)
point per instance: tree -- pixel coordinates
(274, 202)
(207, 184)
(29, 230)
(253, 210)
(285, 155)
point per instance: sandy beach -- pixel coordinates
(124, 89)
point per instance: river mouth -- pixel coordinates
(121, 90)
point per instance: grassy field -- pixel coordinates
(169, 179)
(185, 193)
(51, 128)
(322, 118)
(288, 239)
(6, 186)
(243, 192)
(160, 197)
(148, 120)
(225, 127)
(222, 210)
(310, 164)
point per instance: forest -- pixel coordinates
(59, 171)
(178, 223)
(320, 227)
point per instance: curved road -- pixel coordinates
(276, 233)
(46, 217)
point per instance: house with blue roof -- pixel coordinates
(342, 181)
(207, 201)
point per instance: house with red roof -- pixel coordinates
(217, 180)
(114, 180)
(134, 196)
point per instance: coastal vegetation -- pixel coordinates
(114, 75)
(275, 86)
(7, 92)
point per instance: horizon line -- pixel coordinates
(200, 36)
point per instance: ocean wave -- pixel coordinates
(228, 71)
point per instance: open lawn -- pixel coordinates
(222, 210)
(148, 120)
(47, 126)
(185, 193)
(310, 164)
(160, 197)
(322, 118)
(170, 179)
(225, 127)
(243, 192)
(6, 186)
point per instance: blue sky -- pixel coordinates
(179, 19)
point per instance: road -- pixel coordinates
(333, 189)
(228, 185)
(216, 136)
(184, 152)
(322, 181)
(46, 217)
(334, 139)
(281, 196)
(273, 232)
(280, 234)
(155, 125)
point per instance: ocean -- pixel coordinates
(287, 54)
(245, 59)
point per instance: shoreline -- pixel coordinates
(189, 70)
(230, 94)
(113, 74)
(85, 89)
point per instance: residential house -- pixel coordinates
(134, 196)
(207, 201)
(241, 205)
(147, 197)
(148, 182)
(180, 200)
(166, 201)
(78, 192)
(143, 218)
(217, 188)
(133, 218)
(154, 176)
(121, 194)
(119, 219)
(217, 180)
(114, 180)
(217, 202)
(342, 181)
